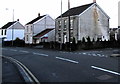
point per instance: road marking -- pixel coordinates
(13, 50)
(99, 54)
(94, 54)
(84, 53)
(89, 54)
(67, 60)
(40, 54)
(106, 70)
(23, 51)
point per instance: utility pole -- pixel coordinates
(69, 24)
(61, 27)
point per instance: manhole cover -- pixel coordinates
(104, 77)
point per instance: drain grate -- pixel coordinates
(104, 77)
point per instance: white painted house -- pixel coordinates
(40, 29)
(85, 21)
(12, 30)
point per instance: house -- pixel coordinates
(12, 30)
(118, 33)
(85, 21)
(40, 29)
(115, 33)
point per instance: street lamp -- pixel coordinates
(13, 24)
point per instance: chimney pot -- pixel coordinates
(94, 1)
(17, 19)
(38, 14)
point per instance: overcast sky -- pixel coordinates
(26, 10)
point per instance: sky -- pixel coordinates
(27, 10)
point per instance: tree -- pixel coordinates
(83, 40)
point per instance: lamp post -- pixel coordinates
(13, 29)
(13, 24)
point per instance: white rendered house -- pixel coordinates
(12, 30)
(40, 29)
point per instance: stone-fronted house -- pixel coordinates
(40, 29)
(85, 21)
(12, 30)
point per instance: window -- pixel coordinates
(59, 39)
(65, 23)
(59, 24)
(27, 37)
(71, 24)
(5, 32)
(2, 32)
(27, 29)
(31, 28)
(59, 35)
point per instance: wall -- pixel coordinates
(33, 29)
(51, 35)
(44, 23)
(16, 33)
(94, 23)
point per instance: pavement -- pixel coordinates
(91, 66)
(10, 74)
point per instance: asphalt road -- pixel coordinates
(60, 66)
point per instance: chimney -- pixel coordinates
(38, 14)
(94, 1)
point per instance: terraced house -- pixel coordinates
(85, 21)
(40, 29)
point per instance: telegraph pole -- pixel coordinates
(61, 27)
(69, 24)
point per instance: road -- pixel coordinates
(61, 66)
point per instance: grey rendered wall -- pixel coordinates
(93, 23)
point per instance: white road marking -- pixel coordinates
(94, 54)
(99, 54)
(40, 54)
(67, 60)
(106, 70)
(89, 54)
(23, 51)
(84, 53)
(13, 50)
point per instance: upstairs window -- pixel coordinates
(5, 32)
(59, 24)
(71, 24)
(27, 29)
(2, 32)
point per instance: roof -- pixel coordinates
(76, 10)
(8, 25)
(36, 19)
(43, 33)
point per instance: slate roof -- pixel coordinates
(34, 20)
(8, 25)
(76, 10)
(43, 33)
